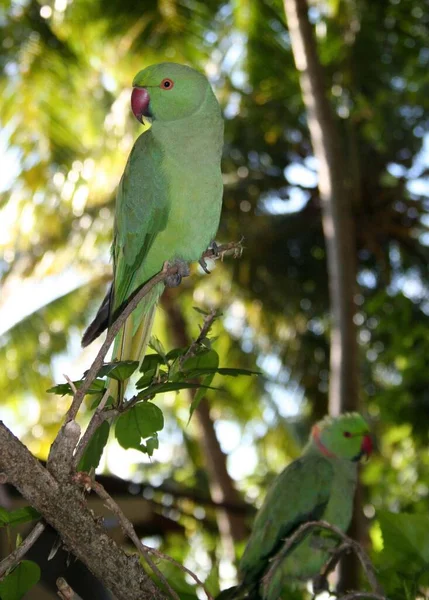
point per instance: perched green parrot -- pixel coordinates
(320, 485)
(169, 198)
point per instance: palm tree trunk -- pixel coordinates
(336, 209)
(337, 226)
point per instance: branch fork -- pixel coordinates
(54, 493)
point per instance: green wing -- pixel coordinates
(142, 209)
(299, 494)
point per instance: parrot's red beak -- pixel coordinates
(140, 103)
(366, 447)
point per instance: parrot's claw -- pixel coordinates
(182, 271)
(320, 584)
(215, 249)
(203, 265)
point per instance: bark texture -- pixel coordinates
(336, 209)
(338, 231)
(63, 506)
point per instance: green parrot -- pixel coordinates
(320, 485)
(169, 199)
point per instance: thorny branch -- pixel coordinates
(363, 596)
(61, 505)
(65, 592)
(205, 328)
(14, 557)
(96, 420)
(61, 459)
(348, 544)
(85, 480)
(233, 248)
(111, 334)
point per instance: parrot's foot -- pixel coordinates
(320, 584)
(203, 265)
(182, 271)
(216, 254)
(215, 249)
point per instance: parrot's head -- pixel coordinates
(346, 436)
(168, 92)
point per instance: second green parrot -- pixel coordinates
(169, 198)
(318, 485)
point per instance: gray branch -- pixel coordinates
(14, 557)
(62, 505)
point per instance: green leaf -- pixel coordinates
(171, 386)
(405, 539)
(94, 451)
(151, 445)
(226, 371)
(175, 353)
(156, 345)
(4, 517)
(61, 389)
(201, 311)
(19, 581)
(146, 380)
(203, 361)
(200, 395)
(98, 398)
(119, 370)
(18, 516)
(23, 515)
(151, 362)
(141, 421)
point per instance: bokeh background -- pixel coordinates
(66, 131)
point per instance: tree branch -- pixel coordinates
(348, 543)
(207, 323)
(61, 504)
(65, 592)
(14, 557)
(85, 480)
(366, 595)
(97, 419)
(232, 248)
(111, 334)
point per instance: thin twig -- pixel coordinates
(88, 483)
(179, 566)
(226, 249)
(65, 592)
(85, 480)
(232, 248)
(111, 334)
(61, 452)
(305, 529)
(96, 420)
(13, 559)
(320, 581)
(207, 323)
(358, 595)
(71, 383)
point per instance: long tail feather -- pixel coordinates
(131, 345)
(100, 322)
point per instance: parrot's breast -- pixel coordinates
(191, 168)
(306, 560)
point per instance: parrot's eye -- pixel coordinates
(166, 84)
(347, 434)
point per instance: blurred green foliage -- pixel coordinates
(66, 70)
